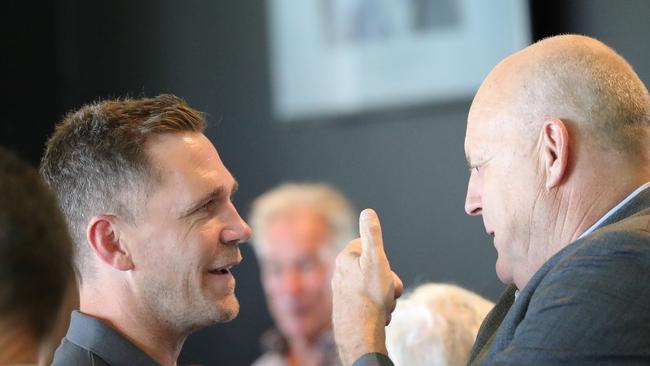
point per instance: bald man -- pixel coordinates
(556, 140)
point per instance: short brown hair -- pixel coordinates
(35, 249)
(96, 160)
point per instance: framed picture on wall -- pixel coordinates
(342, 57)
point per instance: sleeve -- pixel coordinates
(373, 359)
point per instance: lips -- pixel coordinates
(220, 271)
(295, 309)
(223, 270)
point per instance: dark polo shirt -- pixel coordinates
(91, 342)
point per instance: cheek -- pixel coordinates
(499, 187)
(271, 284)
(319, 281)
(209, 230)
(204, 239)
(152, 249)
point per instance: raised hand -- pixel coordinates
(364, 290)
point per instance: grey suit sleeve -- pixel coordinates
(590, 309)
(373, 359)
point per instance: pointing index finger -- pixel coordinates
(372, 243)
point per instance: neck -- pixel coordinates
(17, 345)
(305, 352)
(135, 323)
(574, 209)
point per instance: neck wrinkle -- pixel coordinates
(308, 352)
(591, 205)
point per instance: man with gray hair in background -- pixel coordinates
(298, 228)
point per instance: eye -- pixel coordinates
(307, 265)
(208, 206)
(273, 269)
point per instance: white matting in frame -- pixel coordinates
(337, 57)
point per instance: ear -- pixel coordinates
(103, 235)
(555, 151)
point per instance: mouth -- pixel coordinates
(491, 233)
(296, 310)
(220, 271)
(223, 270)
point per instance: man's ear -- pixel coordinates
(555, 151)
(103, 235)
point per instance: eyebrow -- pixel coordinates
(214, 194)
(481, 162)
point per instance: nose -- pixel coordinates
(473, 204)
(291, 281)
(237, 230)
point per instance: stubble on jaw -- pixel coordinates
(188, 310)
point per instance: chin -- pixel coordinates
(304, 330)
(504, 272)
(225, 310)
(292, 329)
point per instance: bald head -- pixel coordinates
(551, 127)
(576, 79)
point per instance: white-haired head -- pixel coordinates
(321, 198)
(435, 325)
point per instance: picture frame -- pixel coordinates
(334, 58)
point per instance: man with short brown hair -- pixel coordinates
(148, 202)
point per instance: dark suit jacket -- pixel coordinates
(588, 305)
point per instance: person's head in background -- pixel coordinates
(298, 228)
(435, 325)
(35, 262)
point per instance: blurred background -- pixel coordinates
(404, 159)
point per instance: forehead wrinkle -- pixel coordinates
(195, 204)
(217, 192)
(209, 185)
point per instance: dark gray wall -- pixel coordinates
(409, 164)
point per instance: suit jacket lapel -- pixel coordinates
(491, 323)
